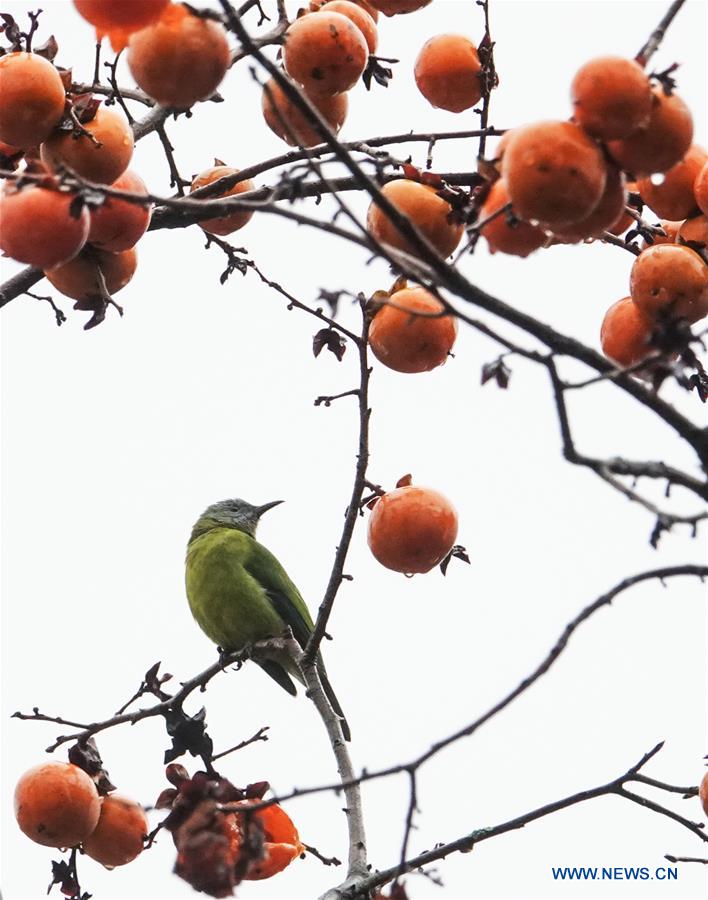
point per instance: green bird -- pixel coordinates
(240, 594)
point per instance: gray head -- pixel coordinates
(234, 513)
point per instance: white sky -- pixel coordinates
(115, 440)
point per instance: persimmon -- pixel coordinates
(700, 189)
(32, 99)
(422, 206)
(412, 529)
(554, 172)
(372, 11)
(670, 282)
(518, 239)
(325, 52)
(397, 7)
(118, 837)
(281, 842)
(57, 804)
(79, 278)
(661, 143)
(38, 225)
(119, 224)
(101, 158)
(673, 196)
(359, 16)
(447, 72)
(703, 793)
(224, 224)
(611, 97)
(694, 233)
(119, 19)
(406, 341)
(626, 334)
(278, 111)
(179, 59)
(608, 212)
(625, 219)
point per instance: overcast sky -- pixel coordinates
(115, 440)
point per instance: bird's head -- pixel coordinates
(235, 513)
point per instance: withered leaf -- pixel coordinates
(330, 339)
(458, 552)
(497, 370)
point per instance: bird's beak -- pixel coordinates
(266, 506)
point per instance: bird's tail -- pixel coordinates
(332, 697)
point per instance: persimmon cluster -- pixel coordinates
(669, 279)
(87, 250)
(59, 805)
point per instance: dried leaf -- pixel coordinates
(497, 370)
(188, 734)
(458, 552)
(332, 340)
(48, 49)
(85, 755)
(404, 481)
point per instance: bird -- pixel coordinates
(239, 593)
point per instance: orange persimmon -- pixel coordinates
(421, 205)
(224, 224)
(57, 804)
(32, 99)
(412, 529)
(412, 333)
(180, 59)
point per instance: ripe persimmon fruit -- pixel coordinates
(694, 233)
(412, 529)
(57, 804)
(119, 19)
(103, 159)
(281, 842)
(397, 7)
(661, 143)
(422, 206)
(611, 97)
(608, 212)
(412, 332)
(38, 225)
(79, 278)
(32, 99)
(119, 224)
(518, 239)
(626, 333)
(700, 189)
(447, 72)
(625, 219)
(669, 282)
(703, 793)
(224, 224)
(372, 11)
(672, 196)
(359, 16)
(325, 52)
(279, 112)
(118, 836)
(554, 172)
(179, 59)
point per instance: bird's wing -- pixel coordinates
(281, 592)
